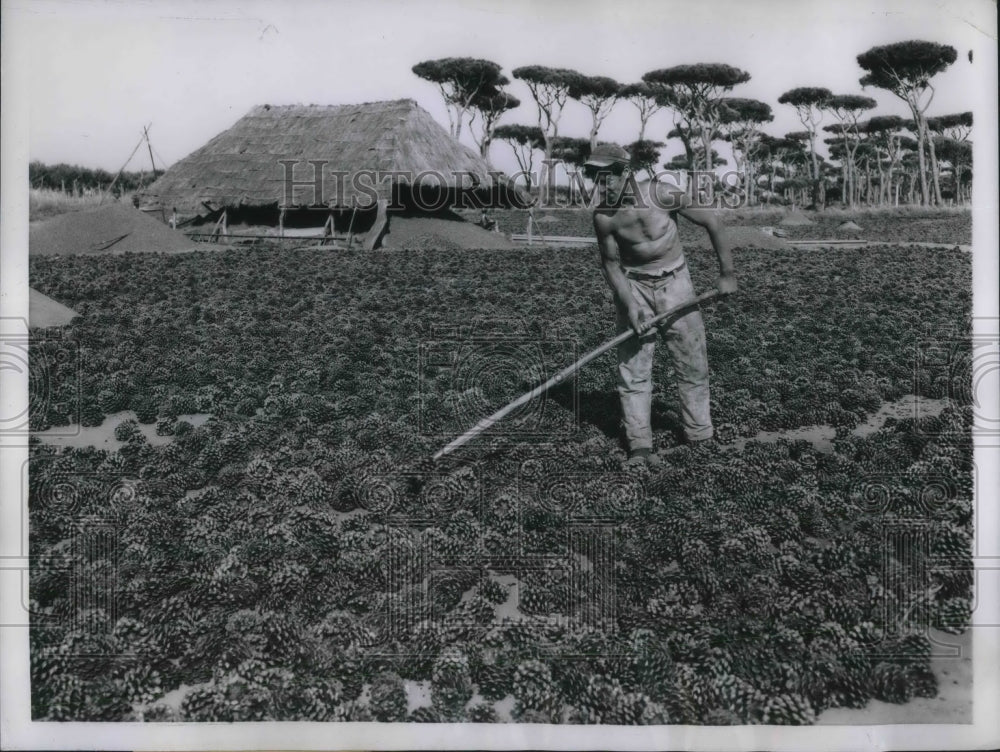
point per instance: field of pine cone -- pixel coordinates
(299, 556)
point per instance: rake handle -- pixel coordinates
(502, 413)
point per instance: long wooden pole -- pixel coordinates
(532, 223)
(565, 373)
(145, 133)
(105, 193)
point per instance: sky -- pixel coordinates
(98, 71)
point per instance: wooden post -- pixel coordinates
(216, 230)
(350, 228)
(221, 228)
(281, 223)
(375, 234)
(328, 228)
(529, 227)
(541, 235)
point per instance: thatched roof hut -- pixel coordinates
(242, 167)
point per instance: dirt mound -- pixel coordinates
(43, 311)
(439, 232)
(795, 219)
(849, 226)
(753, 237)
(115, 228)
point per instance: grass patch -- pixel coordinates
(44, 203)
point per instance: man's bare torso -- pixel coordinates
(646, 233)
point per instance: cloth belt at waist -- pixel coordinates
(635, 274)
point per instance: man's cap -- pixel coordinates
(605, 155)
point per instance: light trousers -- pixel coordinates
(685, 341)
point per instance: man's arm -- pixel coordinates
(674, 199)
(720, 242)
(615, 276)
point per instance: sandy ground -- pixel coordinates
(952, 705)
(822, 436)
(441, 234)
(113, 228)
(103, 436)
(43, 311)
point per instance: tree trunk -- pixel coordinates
(845, 161)
(546, 176)
(815, 170)
(844, 201)
(688, 150)
(850, 179)
(451, 120)
(855, 187)
(740, 169)
(523, 155)
(934, 168)
(881, 181)
(706, 144)
(922, 162)
(487, 142)
(868, 182)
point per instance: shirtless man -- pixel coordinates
(644, 265)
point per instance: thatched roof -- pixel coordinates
(241, 166)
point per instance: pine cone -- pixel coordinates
(387, 701)
(953, 615)
(451, 683)
(483, 713)
(890, 683)
(494, 681)
(425, 715)
(535, 689)
(788, 710)
(739, 697)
